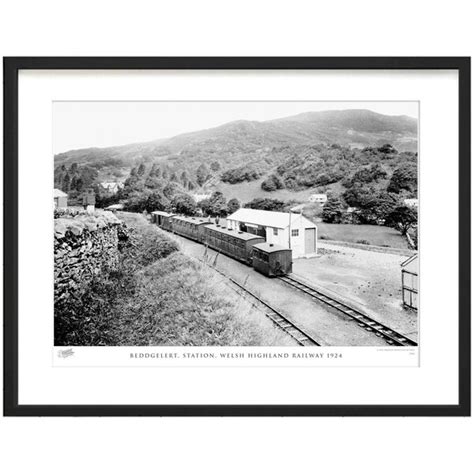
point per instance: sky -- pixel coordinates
(101, 124)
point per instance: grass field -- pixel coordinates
(364, 234)
(247, 191)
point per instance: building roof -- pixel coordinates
(270, 248)
(279, 220)
(234, 233)
(58, 193)
(162, 213)
(194, 220)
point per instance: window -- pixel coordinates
(295, 232)
(275, 231)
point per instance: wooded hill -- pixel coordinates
(354, 154)
(264, 144)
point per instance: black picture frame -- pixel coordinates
(11, 67)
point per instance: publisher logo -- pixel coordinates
(64, 353)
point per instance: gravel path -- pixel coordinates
(369, 280)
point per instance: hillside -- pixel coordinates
(359, 157)
(259, 143)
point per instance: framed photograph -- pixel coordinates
(237, 236)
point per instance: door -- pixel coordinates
(310, 240)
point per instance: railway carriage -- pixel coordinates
(190, 227)
(162, 219)
(235, 244)
(266, 258)
(271, 260)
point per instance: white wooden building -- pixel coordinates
(59, 199)
(201, 197)
(410, 282)
(280, 228)
(112, 187)
(319, 198)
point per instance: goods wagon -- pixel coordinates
(271, 260)
(233, 243)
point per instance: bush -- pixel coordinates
(241, 174)
(266, 204)
(272, 183)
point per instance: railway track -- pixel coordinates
(280, 320)
(389, 335)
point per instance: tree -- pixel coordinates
(153, 182)
(272, 183)
(136, 202)
(366, 175)
(171, 189)
(156, 202)
(216, 205)
(233, 205)
(402, 218)
(266, 204)
(183, 204)
(404, 178)
(184, 178)
(141, 170)
(155, 171)
(332, 210)
(202, 174)
(387, 149)
(241, 174)
(215, 166)
(66, 183)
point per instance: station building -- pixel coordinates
(280, 228)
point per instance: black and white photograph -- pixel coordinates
(235, 223)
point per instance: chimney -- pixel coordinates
(271, 245)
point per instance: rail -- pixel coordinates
(390, 335)
(279, 319)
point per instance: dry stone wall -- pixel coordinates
(84, 246)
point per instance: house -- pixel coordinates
(111, 187)
(318, 198)
(115, 207)
(280, 228)
(60, 199)
(410, 282)
(411, 202)
(201, 197)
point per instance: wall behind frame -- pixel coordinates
(254, 28)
